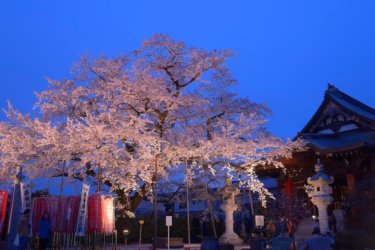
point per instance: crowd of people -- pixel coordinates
(318, 241)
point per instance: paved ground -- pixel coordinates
(119, 247)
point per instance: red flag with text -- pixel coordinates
(94, 214)
(3, 208)
(107, 215)
(101, 214)
(63, 212)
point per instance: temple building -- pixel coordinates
(341, 134)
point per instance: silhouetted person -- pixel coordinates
(44, 231)
(319, 242)
(23, 230)
(332, 222)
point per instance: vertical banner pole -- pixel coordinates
(140, 237)
(156, 201)
(187, 199)
(168, 238)
(168, 223)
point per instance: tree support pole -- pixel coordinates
(187, 201)
(156, 201)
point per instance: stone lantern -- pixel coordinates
(319, 190)
(229, 206)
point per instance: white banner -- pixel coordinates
(25, 196)
(82, 213)
(26, 200)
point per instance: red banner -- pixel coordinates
(63, 212)
(101, 214)
(94, 213)
(107, 215)
(40, 206)
(72, 213)
(3, 208)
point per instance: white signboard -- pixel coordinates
(168, 221)
(82, 213)
(259, 220)
(25, 196)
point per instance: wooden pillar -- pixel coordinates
(350, 180)
(355, 209)
(288, 187)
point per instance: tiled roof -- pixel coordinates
(344, 101)
(350, 104)
(340, 141)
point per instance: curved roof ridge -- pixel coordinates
(346, 102)
(335, 92)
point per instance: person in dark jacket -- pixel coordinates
(319, 242)
(332, 222)
(44, 231)
(23, 230)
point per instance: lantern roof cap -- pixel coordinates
(320, 174)
(319, 167)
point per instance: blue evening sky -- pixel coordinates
(285, 51)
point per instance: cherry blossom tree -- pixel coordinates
(129, 120)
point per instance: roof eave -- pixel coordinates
(338, 150)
